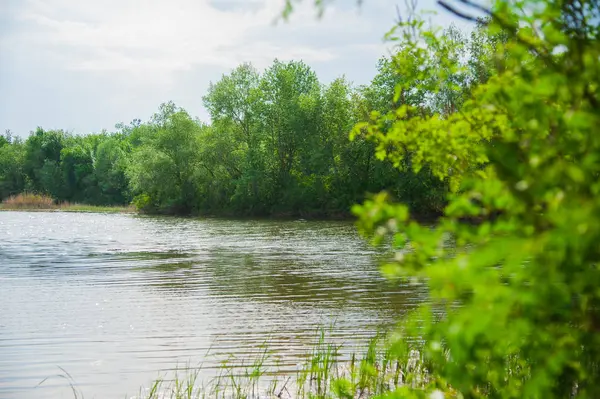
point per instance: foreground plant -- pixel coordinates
(327, 372)
(515, 297)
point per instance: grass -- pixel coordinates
(41, 202)
(325, 373)
(66, 207)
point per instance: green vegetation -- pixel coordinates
(277, 144)
(95, 208)
(514, 307)
(326, 373)
(504, 137)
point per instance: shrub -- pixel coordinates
(515, 298)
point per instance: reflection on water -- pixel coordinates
(116, 299)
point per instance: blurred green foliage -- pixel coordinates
(512, 266)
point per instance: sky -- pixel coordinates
(85, 65)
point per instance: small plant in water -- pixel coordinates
(65, 375)
(326, 373)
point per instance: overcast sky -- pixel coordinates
(85, 65)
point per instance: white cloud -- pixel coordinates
(87, 64)
(132, 36)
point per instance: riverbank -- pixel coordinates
(306, 214)
(84, 208)
(30, 202)
(71, 208)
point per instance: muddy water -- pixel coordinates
(118, 300)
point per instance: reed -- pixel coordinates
(42, 202)
(325, 373)
(28, 201)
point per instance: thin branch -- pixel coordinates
(456, 12)
(477, 6)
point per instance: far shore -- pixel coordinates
(72, 208)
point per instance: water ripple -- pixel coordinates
(116, 299)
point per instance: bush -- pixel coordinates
(514, 307)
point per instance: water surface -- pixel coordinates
(117, 300)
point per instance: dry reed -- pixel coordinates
(42, 202)
(29, 201)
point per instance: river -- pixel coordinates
(119, 300)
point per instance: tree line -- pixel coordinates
(277, 144)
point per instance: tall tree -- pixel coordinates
(110, 165)
(288, 93)
(12, 173)
(233, 105)
(162, 170)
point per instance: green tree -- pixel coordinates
(12, 174)
(42, 160)
(390, 91)
(341, 168)
(515, 304)
(77, 166)
(162, 170)
(6, 138)
(222, 172)
(233, 105)
(290, 92)
(110, 165)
